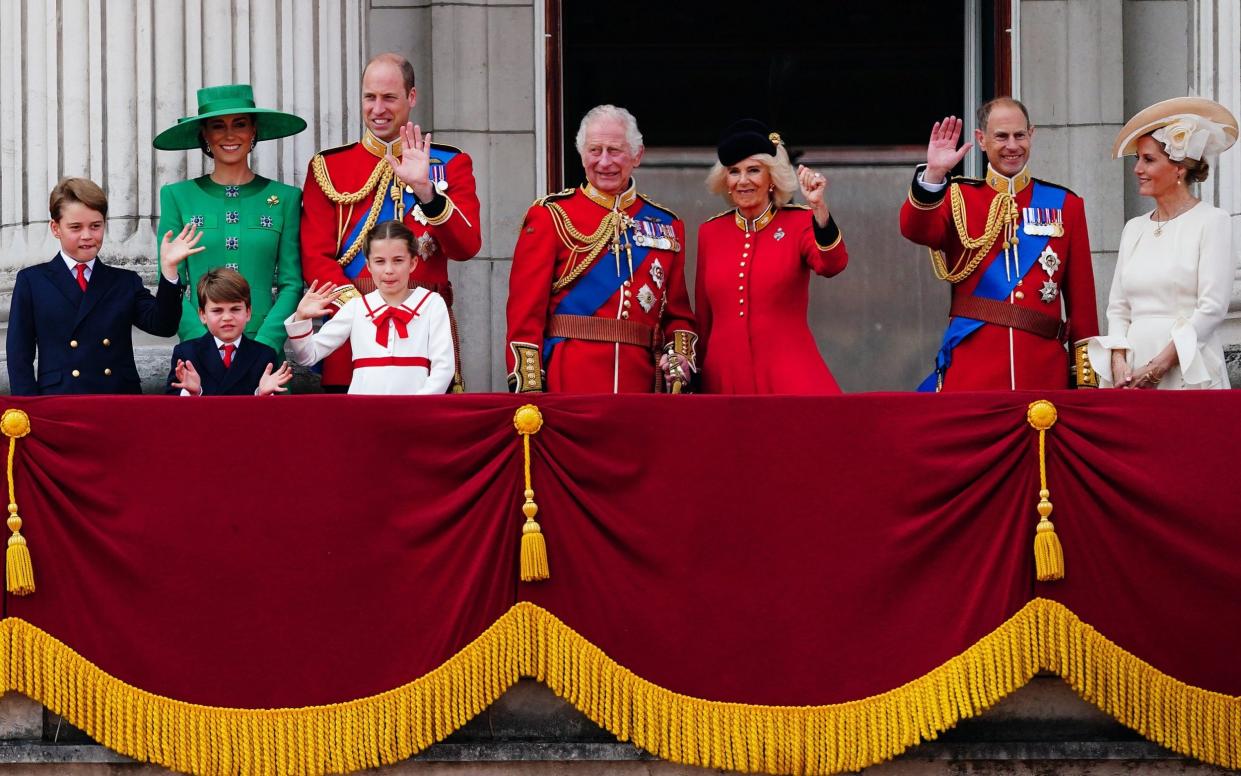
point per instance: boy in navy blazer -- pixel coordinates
(78, 312)
(225, 362)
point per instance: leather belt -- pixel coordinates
(365, 285)
(1009, 315)
(587, 327)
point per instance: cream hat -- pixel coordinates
(1191, 127)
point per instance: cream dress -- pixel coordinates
(1172, 287)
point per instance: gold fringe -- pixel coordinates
(530, 641)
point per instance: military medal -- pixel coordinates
(1042, 221)
(1049, 290)
(1049, 261)
(779, 235)
(438, 177)
(646, 297)
(657, 273)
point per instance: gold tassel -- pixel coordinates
(18, 568)
(1048, 554)
(528, 420)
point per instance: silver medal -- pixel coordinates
(1049, 291)
(646, 297)
(1049, 261)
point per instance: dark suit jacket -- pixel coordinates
(84, 340)
(240, 379)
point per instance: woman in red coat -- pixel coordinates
(754, 265)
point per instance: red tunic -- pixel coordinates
(654, 296)
(326, 225)
(999, 357)
(751, 296)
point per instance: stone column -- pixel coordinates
(1072, 74)
(1215, 72)
(86, 84)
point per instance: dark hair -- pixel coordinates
(222, 284)
(393, 58)
(984, 110)
(80, 190)
(392, 230)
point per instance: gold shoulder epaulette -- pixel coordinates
(1055, 186)
(968, 181)
(542, 201)
(452, 148)
(652, 202)
(728, 212)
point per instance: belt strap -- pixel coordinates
(1010, 315)
(588, 327)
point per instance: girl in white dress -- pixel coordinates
(1176, 264)
(401, 338)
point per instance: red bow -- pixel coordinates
(398, 316)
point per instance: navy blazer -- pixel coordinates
(84, 339)
(240, 379)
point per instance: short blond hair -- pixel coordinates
(779, 167)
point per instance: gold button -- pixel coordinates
(747, 235)
(73, 343)
(626, 303)
(745, 255)
(628, 294)
(743, 263)
(107, 373)
(624, 313)
(740, 288)
(106, 342)
(740, 301)
(76, 373)
(741, 314)
(747, 245)
(628, 283)
(740, 274)
(1020, 295)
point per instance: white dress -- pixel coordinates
(421, 362)
(1173, 287)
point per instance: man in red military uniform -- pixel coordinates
(1016, 251)
(597, 298)
(393, 172)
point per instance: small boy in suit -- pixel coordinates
(228, 362)
(77, 313)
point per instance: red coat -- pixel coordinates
(751, 296)
(654, 297)
(326, 226)
(999, 357)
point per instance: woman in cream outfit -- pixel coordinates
(1176, 264)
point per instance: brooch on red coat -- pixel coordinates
(646, 297)
(426, 245)
(779, 235)
(657, 273)
(1049, 290)
(1049, 261)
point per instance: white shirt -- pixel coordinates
(72, 263)
(422, 362)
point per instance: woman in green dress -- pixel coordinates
(247, 222)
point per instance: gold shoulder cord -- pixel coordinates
(578, 243)
(1001, 216)
(380, 179)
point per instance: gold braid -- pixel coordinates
(1002, 213)
(578, 243)
(381, 176)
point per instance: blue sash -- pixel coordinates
(601, 282)
(994, 285)
(386, 213)
(440, 157)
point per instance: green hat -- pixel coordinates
(223, 101)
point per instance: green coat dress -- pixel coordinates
(252, 228)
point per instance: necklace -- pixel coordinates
(1160, 224)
